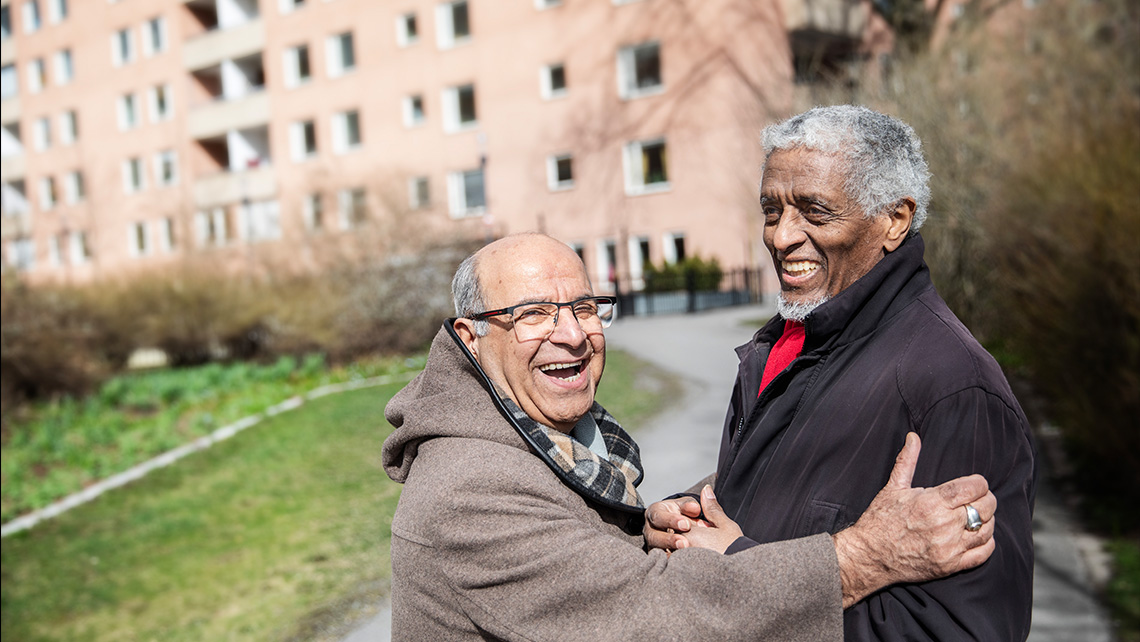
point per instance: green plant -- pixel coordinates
(692, 273)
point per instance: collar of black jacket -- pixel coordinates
(866, 304)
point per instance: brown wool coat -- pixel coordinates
(487, 543)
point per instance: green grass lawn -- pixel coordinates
(276, 534)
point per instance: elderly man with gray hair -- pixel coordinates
(863, 352)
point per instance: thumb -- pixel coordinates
(903, 472)
(711, 507)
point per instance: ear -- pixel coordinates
(899, 218)
(465, 328)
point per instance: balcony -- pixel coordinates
(8, 51)
(14, 226)
(212, 47)
(13, 167)
(10, 109)
(843, 18)
(217, 118)
(234, 187)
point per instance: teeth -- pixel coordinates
(558, 366)
(799, 268)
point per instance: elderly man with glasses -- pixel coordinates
(520, 517)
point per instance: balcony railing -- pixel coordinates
(214, 46)
(223, 188)
(217, 118)
(846, 18)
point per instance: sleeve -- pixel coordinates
(968, 432)
(526, 561)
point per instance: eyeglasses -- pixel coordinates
(533, 321)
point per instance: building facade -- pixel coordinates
(290, 133)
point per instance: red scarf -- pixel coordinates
(787, 348)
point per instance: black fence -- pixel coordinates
(741, 286)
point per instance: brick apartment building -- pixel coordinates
(140, 132)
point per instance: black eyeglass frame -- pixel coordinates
(612, 300)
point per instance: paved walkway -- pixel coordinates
(681, 447)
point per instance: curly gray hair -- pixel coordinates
(883, 155)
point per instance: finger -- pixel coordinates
(903, 472)
(986, 506)
(976, 555)
(664, 515)
(713, 512)
(689, 506)
(963, 490)
(981, 536)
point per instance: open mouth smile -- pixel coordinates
(799, 269)
(567, 372)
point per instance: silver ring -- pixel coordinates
(973, 519)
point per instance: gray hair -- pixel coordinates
(883, 155)
(467, 293)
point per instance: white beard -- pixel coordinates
(797, 311)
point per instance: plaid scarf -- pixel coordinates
(611, 481)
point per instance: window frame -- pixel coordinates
(552, 180)
(628, 84)
(635, 180)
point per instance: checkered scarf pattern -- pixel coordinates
(614, 479)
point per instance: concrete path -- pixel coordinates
(680, 448)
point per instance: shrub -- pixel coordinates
(693, 273)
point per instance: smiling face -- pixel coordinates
(553, 379)
(819, 238)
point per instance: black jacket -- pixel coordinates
(885, 357)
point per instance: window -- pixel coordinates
(5, 22)
(41, 134)
(289, 6)
(55, 257)
(57, 11)
(559, 172)
(64, 67)
(73, 188)
(302, 140)
(553, 81)
(213, 227)
(297, 66)
(546, 4)
(407, 32)
(346, 131)
(419, 193)
(313, 211)
(166, 238)
(160, 104)
(465, 193)
(353, 207)
(32, 20)
(132, 175)
(80, 248)
(154, 36)
(459, 108)
(166, 168)
(9, 83)
(10, 142)
(645, 167)
(673, 247)
(259, 221)
(68, 127)
(606, 258)
(37, 76)
(639, 70)
(341, 57)
(138, 241)
(128, 112)
(14, 198)
(22, 254)
(48, 196)
(413, 110)
(453, 25)
(122, 47)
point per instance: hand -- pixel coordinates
(716, 531)
(914, 534)
(668, 517)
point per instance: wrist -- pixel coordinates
(859, 574)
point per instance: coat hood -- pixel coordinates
(445, 400)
